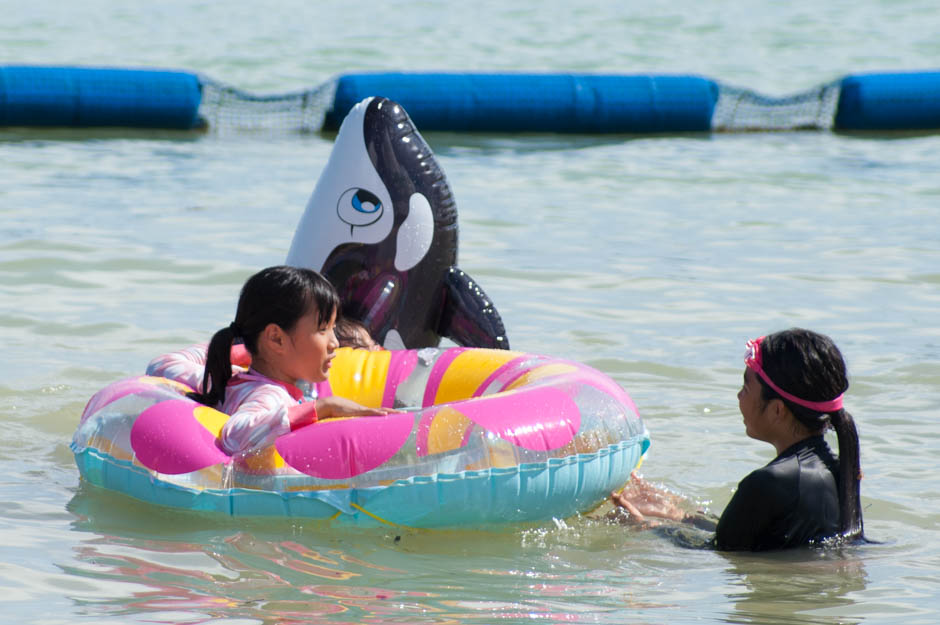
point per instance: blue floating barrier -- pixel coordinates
(537, 102)
(467, 102)
(87, 97)
(889, 102)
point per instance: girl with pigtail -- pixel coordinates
(794, 382)
(284, 320)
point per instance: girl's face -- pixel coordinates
(312, 348)
(756, 413)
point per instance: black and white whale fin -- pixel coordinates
(468, 317)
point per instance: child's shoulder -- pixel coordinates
(246, 387)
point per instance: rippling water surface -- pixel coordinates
(651, 258)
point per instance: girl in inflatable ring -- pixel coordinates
(285, 317)
(794, 382)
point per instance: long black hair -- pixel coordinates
(810, 366)
(280, 295)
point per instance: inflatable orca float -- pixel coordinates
(381, 225)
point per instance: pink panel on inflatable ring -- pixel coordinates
(337, 449)
(601, 382)
(129, 386)
(424, 426)
(168, 439)
(111, 393)
(437, 374)
(540, 419)
(515, 362)
(400, 367)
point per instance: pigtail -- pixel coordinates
(850, 474)
(218, 368)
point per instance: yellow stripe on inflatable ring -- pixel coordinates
(360, 375)
(264, 461)
(380, 519)
(468, 371)
(538, 373)
(447, 431)
(211, 419)
(108, 446)
(179, 387)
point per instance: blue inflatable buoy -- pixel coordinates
(93, 97)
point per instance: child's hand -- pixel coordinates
(332, 407)
(641, 499)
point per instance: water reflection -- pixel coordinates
(192, 569)
(800, 586)
(163, 566)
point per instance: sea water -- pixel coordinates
(651, 258)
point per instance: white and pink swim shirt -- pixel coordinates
(257, 404)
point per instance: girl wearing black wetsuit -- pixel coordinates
(804, 495)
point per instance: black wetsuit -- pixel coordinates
(792, 501)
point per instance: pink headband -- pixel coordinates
(753, 360)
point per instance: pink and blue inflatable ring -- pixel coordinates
(486, 437)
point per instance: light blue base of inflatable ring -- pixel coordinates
(540, 491)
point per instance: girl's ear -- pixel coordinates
(274, 338)
(779, 410)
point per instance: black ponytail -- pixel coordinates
(810, 366)
(280, 295)
(850, 475)
(218, 368)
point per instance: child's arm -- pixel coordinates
(265, 416)
(186, 365)
(189, 365)
(334, 406)
(330, 408)
(257, 422)
(302, 414)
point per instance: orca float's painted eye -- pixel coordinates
(365, 202)
(358, 207)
